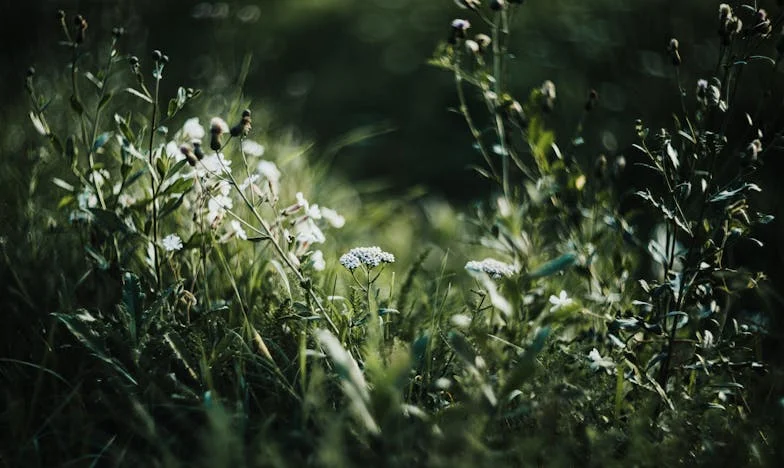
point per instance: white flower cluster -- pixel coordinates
(495, 268)
(371, 257)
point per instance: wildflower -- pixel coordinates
(548, 95)
(214, 164)
(237, 230)
(252, 148)
(371, 257)
(333, 218)
(172, 243)
(87, 199)
(763, 26)
(729, 24)
(483, 41)
(216, 208)
(307, 232)
(472, 46)
(459, 28)
(461, 320)
(192, 130)
(218, 127)
(496, 269)
(560, 301)
(317, 260)
(599, 362)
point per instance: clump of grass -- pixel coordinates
(196, 296)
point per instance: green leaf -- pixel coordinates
(80, 328)
(179, 186)
(171, 205)
(180, 349)
(108, 221)
(728, 194)
(139, 95)
(554, 266)
(105, 100)
(526, 364)
(122, 124)
(132, 305)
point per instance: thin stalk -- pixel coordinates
(153, 184)
(498, 89)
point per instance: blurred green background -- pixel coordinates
(329, 70)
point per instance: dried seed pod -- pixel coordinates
(187, 151)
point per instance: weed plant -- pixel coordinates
(177, 297)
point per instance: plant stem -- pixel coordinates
(153, 181)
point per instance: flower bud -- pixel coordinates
(81, 27)
(217, 128)
(60, 15)
(242, 128)
(187, 151)
(483, 40)
(458, 32)
(197, 150)
(156, 55)
(673, 49)
(593, 99)
(548, 95)
(600, 166)
(118, 32)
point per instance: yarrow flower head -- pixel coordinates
(371, 257)
(495, 268)
(172, 243)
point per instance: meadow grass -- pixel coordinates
(185, 291)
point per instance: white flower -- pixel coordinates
(125, 200)
(252, 148)
(214, 164)
(99, 177)
(236, 227)
(249, 181)
(496, 269)
(371, 257)
(317, 260)
(461, 320)
(562, 300)
(307, 232)
(192, 130)
(333, 217)
(350, 261)
(599, 362)
(270, 171)
(217, 206)
(218, 125)
(172, 243)
(172, 150)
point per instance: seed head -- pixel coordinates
(217, 128)
(118, 32)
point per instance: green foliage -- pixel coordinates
(188, 305)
